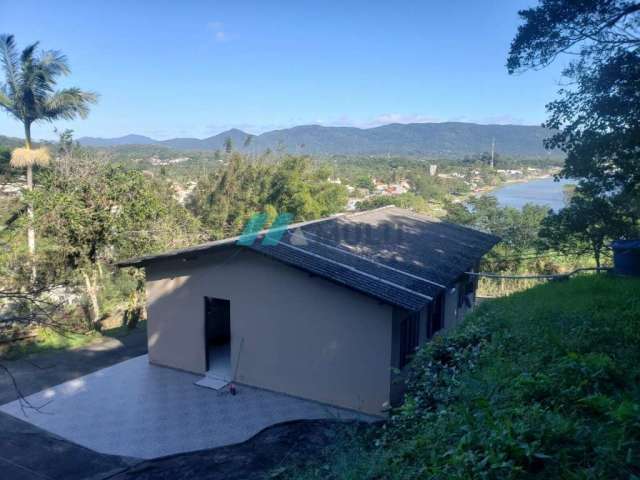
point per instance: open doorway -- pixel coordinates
(217, 315)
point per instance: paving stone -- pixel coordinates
(135, 409)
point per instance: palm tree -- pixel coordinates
(29, 95)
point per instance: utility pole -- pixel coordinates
(493, 150)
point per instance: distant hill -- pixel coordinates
(447, 139)
(11, 142)
(114, 142)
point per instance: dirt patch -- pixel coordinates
(265, 455)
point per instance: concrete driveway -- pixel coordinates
(42, 370)
(134, 409)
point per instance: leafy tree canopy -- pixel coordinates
(95, 211)
(586, 226)
(597, 116)
(229, 196)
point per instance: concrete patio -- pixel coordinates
(139, 410)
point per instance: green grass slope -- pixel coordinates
(542, 384)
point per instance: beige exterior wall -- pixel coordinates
(290, 332)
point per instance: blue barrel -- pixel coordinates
(626, 257)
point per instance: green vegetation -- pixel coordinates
(540, 384)
(29, 95)
(588, 224)
(525, 248)
(225, 199)
(595, 118)
(47, 339)
(90, 211)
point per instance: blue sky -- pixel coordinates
(196, 68)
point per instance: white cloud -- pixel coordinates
(378, 120)
(219, 33)
(387, 118)
(503, 119)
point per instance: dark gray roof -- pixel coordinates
(398, 256)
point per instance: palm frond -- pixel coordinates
(31, 77)
(7, 104)
(68, 103)
(28, 54)
(53, 64)
(33, 89)
(9, 60)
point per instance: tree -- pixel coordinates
(29, 95)
(229, 196)
(429, 188)
(94, 211)
(366, 182)
(587, 225)
(304, 192)
(404, 200)
(596, 119)
(517, 229)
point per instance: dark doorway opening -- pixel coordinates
(217, 315)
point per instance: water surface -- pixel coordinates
(544, 191)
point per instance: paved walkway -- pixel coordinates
(28, 453)
(39, 371)
(135, 409)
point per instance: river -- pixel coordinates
(544, 191)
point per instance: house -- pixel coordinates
(328, 311)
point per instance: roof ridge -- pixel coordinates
(363, 212)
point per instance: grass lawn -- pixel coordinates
(47, 339)
(541, 384)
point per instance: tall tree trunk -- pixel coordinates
(91, 286)
(31, 234)
(596, 255)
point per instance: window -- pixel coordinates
(409, 337)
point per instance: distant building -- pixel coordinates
(433, 169)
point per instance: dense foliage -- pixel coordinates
(229, 196)
(90, 212)
(541, 384)
(596, 117)
(521, 249)
(586, 226)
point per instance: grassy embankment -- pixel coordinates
(544, 383)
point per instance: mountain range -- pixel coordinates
(447, 139)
